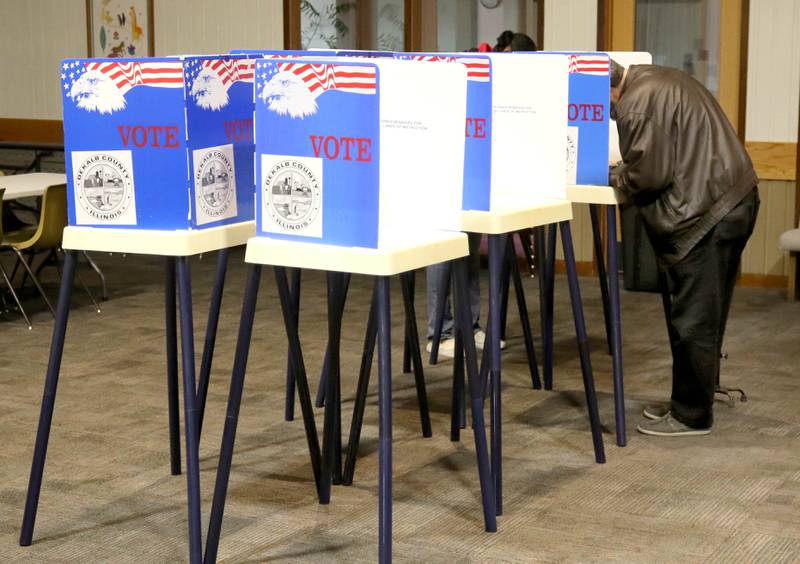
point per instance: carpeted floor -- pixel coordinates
(108, 495)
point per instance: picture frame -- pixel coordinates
(119, 28)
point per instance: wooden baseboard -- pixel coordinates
(31, 130)
(584, 267)
(750, 280)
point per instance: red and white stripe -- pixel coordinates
(320, 78)
(589, 64)
(477, 67)
(161, 74)
(232, 70)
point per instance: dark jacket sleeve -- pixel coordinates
(648, 156)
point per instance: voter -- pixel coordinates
(694, 184)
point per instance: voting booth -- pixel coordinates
(158, 143)
(358, 153)
(588, 119)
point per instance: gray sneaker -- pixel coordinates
(656, 411)
(668, 426)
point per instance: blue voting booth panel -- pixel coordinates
(317, 151)
(588, 115)
(478, 126)
(158, 143)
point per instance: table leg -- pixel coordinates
(601, 272)
(48, 400)
(288, 412)
(550, 270)
(232, 414)
(583, 342)
(616, 326)
(299, 371)
(173, 403)
(384, 422)
(497, 254)
(506, 286)
(412, 341)
(190, 410)
(523, 318)
(409, 279)
(211, 336)
(361, 390)
(457, 397)
(443, 291)
(464, 318)
(323, 377)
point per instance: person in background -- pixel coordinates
(503, 41)
(520, 42)
(686, 170)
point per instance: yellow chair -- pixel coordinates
(6, 279)
(45, 236)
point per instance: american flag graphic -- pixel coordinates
(162, 74)
(589, 64)
(320, 78)
(477, 67)
(232, 70)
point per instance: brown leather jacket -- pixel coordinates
(682, 163)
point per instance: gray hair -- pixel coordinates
(617, 72)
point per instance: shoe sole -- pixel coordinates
(691, 433)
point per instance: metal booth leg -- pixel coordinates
(443, 292)
(211, 336)
(288, 413)
(412, 341)
(370, 337)
(48, 400)
(232, 414)
(523, 316)
(497, 254)
(616, 327)
(464, 319)
(190, 410)
(601, 273)
(323, 377)
(583, 342)
(384, 422)
(173, 403)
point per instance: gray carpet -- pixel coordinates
(733, 496)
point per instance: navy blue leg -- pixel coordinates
(211, 336)
(616, 326)
(412, 341)
(190, 410)
(361, 390)
(384, 422)
(444, 290)
(506, 285)
(323, 377)
(48, 400)
(288, 413)
(601, 273)
(299, 371)
(173, 403)
(549, 291)
(463, 319)
(232, 415)
(497, 254)
(457, 397)
(583, 342)
(524, 319)
(408, 279)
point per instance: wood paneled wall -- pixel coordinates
(763, 263)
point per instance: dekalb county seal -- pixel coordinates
(213, 175)
(572, 153)
(104, 186)
(294, 195)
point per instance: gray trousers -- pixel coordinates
(435, 274)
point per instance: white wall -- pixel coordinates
(492, 23)
(773, 71)
(570, 25)
(36, 34)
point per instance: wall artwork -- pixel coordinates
(120, 28)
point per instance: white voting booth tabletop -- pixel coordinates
(524, 215)
(594, 194)
(418, 252)
(177, 243)
(30, 185)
